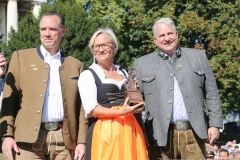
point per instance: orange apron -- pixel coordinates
(118, 138)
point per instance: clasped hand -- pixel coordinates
(126, 109)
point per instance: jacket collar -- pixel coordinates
(41, 55)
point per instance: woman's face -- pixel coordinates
(103, 48)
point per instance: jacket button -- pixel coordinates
(167, 117)
(36, 128)
(171, 74)
(200, 72)
(46, 67)
(170, 102)
(38, 112)
(44, 81)
(171, 88)
(41, 96)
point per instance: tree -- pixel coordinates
(74, 43)
(210, 25)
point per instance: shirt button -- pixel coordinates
(38, 112)
(36, 128)
(46, 67)
(171, 74)
(170, 102)
(171, 88)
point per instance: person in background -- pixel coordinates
(3, 66)
(210, 155)
(234, 143)
(216, 151)
(237, 156)
(177, 83)
(231, 156)
(114, 133)
(223, 154)
(41, 116)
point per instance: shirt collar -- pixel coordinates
(166, 57)
(45, 53)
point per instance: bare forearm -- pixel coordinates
(100, 111)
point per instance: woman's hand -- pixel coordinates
(126, 109)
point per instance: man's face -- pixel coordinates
(223, 155)
(237, 157)
(210, 158)
(166, 38)
(50, 31)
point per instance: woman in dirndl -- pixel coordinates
(114, 132)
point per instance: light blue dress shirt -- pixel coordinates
(179, 112)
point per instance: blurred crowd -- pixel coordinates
(229, 151)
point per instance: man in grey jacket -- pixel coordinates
(177, 83)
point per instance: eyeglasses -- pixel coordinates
(105, 46)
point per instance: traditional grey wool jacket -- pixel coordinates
(197, 83)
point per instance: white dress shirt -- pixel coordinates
(53, 103)
(179, 112)
(88, 89)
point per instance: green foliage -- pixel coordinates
(214, 23)
(74, 43)
(26, 37)
(211, 25)
(79, 30)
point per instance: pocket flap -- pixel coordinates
(199, 71)
(148, 78)
(75, 78)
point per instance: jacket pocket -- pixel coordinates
(149, 84)
(200, 77)
(74, 78)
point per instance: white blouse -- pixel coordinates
(88, 89)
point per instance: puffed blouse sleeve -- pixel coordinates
(88, 91)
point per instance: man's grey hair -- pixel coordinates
(53, 13)
(104, 31)
(167, 21)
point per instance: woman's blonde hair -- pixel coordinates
(104, 31)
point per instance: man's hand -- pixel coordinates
(213, 133)
(79, 152)
(2, 63)
(7, 146)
